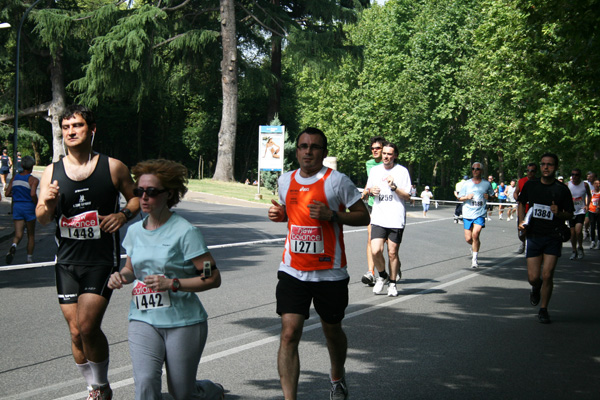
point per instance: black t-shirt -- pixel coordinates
(540, 197)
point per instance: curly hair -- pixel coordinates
(172, 175)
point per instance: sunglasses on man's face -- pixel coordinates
(476, 169)
(150, 191)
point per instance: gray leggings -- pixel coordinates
(180, 350)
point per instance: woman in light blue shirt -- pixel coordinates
(167, 262)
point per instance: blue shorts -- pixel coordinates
(24, 210)
(425, 207)
(468, 223)
(4, 170)
(539, 245)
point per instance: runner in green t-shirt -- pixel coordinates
(376, 147)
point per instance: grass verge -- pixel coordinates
(231, 189)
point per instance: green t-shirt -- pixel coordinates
(370, 164)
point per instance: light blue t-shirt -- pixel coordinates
(475, 207)
(168, 251)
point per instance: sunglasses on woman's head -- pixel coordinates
(150, 191)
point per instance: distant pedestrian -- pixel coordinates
(509, 192)
(5, 165)
(531, 172)
(581, 200)
(22, 188)
(594, 215)
(413, 194)
(501, 199)
(18, 163)
(458, 209)
(426, 197)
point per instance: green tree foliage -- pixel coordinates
(453, 81)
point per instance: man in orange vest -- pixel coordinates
(313, 201)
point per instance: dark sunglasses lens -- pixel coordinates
(151, 192)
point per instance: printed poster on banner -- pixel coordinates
(270, 147)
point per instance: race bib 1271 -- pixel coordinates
(306, 239)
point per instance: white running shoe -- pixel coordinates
(103, 392)
(489, 219)
(392, 290)
(573, 255)
(368, 279)
(521, 248)
(580, 253)
(593, 245)
(500, 218)
(379, 283)
(474, 264)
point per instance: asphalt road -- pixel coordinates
(453, 333)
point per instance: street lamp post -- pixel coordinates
(15, 135)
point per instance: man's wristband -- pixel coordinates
(127, 212)
(334, 217)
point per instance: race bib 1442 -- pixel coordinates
(145, 298)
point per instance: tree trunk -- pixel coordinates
(500, 166)
(275, 91)
(226, 147)
(57, 107)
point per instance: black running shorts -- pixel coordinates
(329, 297)
(74, 280)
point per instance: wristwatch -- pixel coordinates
(393, 187)
(334, 217)
(176, 285)
(127, 212)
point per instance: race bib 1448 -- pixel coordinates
(84, 226)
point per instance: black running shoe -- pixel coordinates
(543, 316)
(11, 254)
(534, 295)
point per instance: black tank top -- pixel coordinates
(80, 240)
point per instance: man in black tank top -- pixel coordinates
(81, 193)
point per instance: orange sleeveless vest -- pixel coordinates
(311, 244)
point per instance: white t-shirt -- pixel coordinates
(388, 208)
(426, 196)
(475, 207)
(579, 193)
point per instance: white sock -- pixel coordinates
(475, 255)
(87, 373)
(100, 372)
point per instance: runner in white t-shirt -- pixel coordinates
(390, 184)
(580, 191)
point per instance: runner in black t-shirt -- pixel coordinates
(550, 205)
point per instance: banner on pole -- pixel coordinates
(270, 148)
